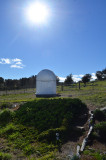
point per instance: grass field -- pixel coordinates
(93, 94)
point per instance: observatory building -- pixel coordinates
(45, 84)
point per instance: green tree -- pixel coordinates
(86, 78)
(104, 73)
(57, 80)
(9, 83)
(1, 83)
(69, 79)
(99, 75)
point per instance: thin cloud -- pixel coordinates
(81, 75)
(77, 78)
(16, 60)
(16, 66)
(19, 63)
(93, 76)
(13, 63)
(5, 61)
(62, 79)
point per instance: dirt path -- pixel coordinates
(70, 148)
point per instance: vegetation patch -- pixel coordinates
(50, 135)
(6, 116)
(93, 155)
(5, 105)
(99, 115)
(100, 128)
(47, 114)
(75, 157)
(5, 156)
(32, 128)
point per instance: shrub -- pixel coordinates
(50, 135)
(101, 129)
(6, 116)
(5, 105)
(94, 135)
(92, 155)
(65, 123)
(14, 136)
(99, 115)
(5, 156)
(9, 129)
(28, 150)
(75, 157)
(86, 157)
(46, 114)
(49, 156)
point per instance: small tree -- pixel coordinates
(57, 80)
(86, 78)
(69, 79)
(104, 74)
(1, 82)
(99, 75)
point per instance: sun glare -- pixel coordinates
(37, 13)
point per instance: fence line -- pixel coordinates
(60, 88)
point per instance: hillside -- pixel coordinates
(28, 125)
(30, 131)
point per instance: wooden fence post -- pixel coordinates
(79, 84)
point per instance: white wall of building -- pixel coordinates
(46, 83)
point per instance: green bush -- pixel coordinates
(47, 114)
(6, 116)
(28, 150)
(99, 115)
(94, 155)
(45, 148)
(49, 156)
(50, 134)
(14, 135)
(5, 156)
(5, 105)
(101, 130)
(94, 135)
(9, 129)
(75, 157)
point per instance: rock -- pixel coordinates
(80, 128)
(84, 144)
(78, 151)
(103, 109)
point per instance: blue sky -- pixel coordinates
(72, 41)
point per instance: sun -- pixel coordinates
(37, 13)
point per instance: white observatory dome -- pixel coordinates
(46, 75)
(46, 83)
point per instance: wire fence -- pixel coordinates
(61, 88)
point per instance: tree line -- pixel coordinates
(24, 83)
(101, 75)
